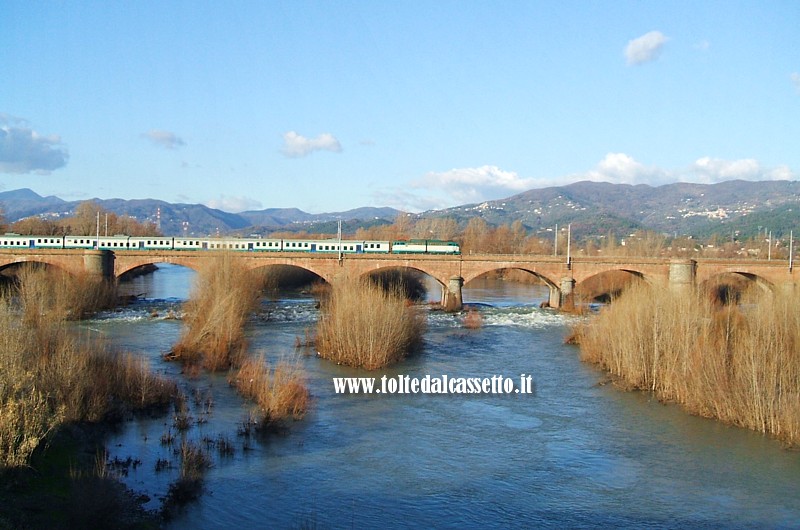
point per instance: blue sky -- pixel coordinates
(332, 105)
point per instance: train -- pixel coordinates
(251, 244)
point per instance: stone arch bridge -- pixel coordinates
(450, 271)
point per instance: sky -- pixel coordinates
(332, 105)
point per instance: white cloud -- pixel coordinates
(795, 77)
(645, 48)
(23, 150)
(296, 146)
(619, 168)
(166, 139)
(475, 184)
(708, 170)
(234, 204)
(437, 190)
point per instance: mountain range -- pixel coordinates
(591, 208)
(189, 219)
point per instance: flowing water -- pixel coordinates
(574, 453)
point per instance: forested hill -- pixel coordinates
(592, 208)
(680, 208)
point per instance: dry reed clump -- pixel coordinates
(739, 364)
(49, 375)
(47, 294)
(224, 296)
(367, 326)
(280, 392)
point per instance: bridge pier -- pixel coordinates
(682, 274)
(451, 294)
(99, 263)
(555, 297)
(567, 286)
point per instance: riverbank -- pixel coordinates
(71, 484)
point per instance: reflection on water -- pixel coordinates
(572, 454)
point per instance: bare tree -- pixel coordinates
(475, 235)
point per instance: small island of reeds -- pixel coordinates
(367, 325)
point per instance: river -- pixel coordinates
(574, 453)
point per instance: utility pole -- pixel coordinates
(569, 241)
(339, 231)
(769, 251)
(555, 245)
(98, 231)
(791, 249)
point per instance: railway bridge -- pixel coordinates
(451, 271)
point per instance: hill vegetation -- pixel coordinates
(734, 210)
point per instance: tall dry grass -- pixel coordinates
(739, 364)
(50, 375)
(364, 325)
(223, 297)
(48, 294)
(280, 392)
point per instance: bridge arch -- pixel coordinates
(414, 290)
(606, 285)
(129, 266)
(557, 292)
(276, 276)
(55, 264)
(729, 286)
(481, 272)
